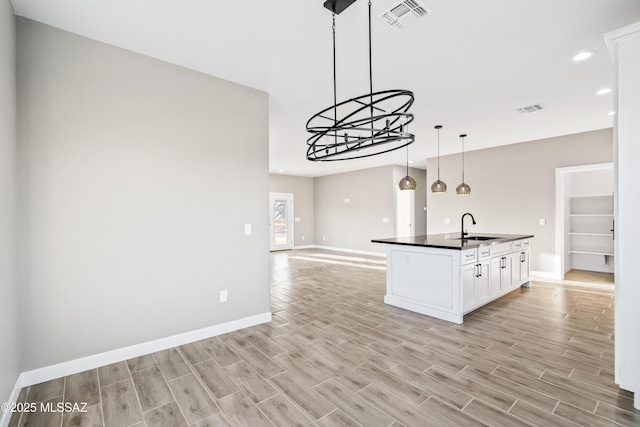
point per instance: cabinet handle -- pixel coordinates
(523, 257)
(479, 270)
(504, 262)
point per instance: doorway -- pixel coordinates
(405, 213)
(584, 223)
(281, 221)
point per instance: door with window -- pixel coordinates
(281, 221)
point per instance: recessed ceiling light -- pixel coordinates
(603, 91)
(584, 55)
(612, 113)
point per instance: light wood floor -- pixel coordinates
(589, 277)
(335, 355)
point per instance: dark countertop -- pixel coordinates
(452, 240)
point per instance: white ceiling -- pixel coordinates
(470, 63)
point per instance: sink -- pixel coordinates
(479, 238)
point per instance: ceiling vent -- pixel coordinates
(530, 109)
(401, 15)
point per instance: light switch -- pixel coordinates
(297, 220)
(247, 229)
(447, 221)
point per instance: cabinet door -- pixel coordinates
(508, 279)
(524, 267)
(483, 281)
(469, 297)
(495, 275)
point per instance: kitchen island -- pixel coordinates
(446, 276)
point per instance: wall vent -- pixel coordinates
(400, 15)
(530, 109)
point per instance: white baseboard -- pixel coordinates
(64, 369)
(5, 417)
(544, 275)
(353, 251)
(305, 247)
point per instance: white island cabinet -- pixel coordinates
(446, 277)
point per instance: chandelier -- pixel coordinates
(364, 126)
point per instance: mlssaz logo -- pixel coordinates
(66, 407)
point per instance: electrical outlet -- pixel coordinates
(543, 221)
(223, 296)
(447, 221)
(385, 219)
(346, 200)
(247, 229)
(324, 237)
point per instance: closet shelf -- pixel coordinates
(577, 233)
(591, 253)
(609, 215)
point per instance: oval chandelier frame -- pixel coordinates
(364, 126)
(342, 138)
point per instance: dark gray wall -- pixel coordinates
(9, 350)
(131, 204)
(513, 187)
(302, 190)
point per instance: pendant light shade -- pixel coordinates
(463, 188)
(438, 186)
(407, 183)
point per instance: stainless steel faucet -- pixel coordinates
(462, 232)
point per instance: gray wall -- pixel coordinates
(352, 225)
(131, 206)
(302, 189)
(513, 187)
(9, 350)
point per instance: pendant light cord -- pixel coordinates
(407, 160)
(463, 160)
(335, 96)
(438, 154)
(370, 73)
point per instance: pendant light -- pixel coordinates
(463, 188)
(438, 187)
(407, 183)
(370, 124)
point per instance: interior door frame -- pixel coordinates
(409, 197)
(290, 230)
(561, 175)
